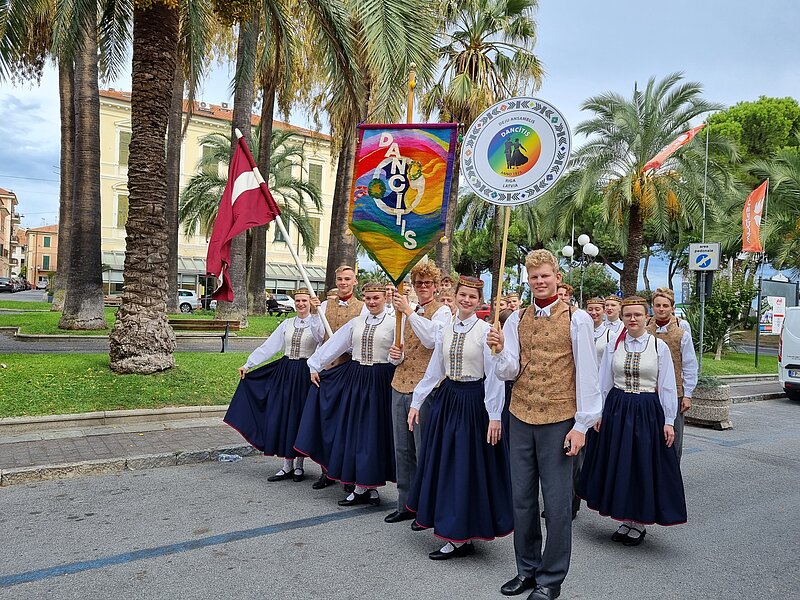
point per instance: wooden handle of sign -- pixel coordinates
(506, 223)
(398, 331)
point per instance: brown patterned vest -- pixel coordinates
(544, 392)
(672, 338)
(339, 315)
(416, 356)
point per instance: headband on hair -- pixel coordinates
(373, 286)
(635, 301)
(595, 300)
(302, 290)
(614, 298)
(472, 282)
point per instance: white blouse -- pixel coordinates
(281, 340)
(425, 329)
(666, 388)
(493, 388)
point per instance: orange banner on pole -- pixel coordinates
(751, 219)
(667, 151)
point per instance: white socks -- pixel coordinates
(450, 546)
(287, 465)
(298, 462)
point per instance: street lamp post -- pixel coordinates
(588, 252)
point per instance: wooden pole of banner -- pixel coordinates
(504, 247)
(412, 83)
(296, 258)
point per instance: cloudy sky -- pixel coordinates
(739, 50)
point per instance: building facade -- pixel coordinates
(282, 275)
(42, 253)
(9, 219)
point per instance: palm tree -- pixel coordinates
(200, 198)
(623, 135)
(487, 56)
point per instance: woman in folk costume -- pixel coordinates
(595, 307)
(631, 472)
(677, 335)
(462, 488)
(269, 400)
(356, 446)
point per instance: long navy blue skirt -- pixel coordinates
(347, 424)
(463, 484)
(629, 473)
(268, 403)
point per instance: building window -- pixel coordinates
(279, 236)
(315, 175)
(47, 241)
(209, 166)
(316, 224)
(45, 262)
(124, 143)
(122, 210)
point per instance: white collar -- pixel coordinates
(380, 315)
(641, 339)
(465, 322)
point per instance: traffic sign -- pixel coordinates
(704, 257)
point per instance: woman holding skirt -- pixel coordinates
(269, 400)
(631, 471)
(354, 440)
(463, 487)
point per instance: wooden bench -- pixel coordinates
(207, 325)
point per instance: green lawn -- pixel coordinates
(20, 305)
(46, 323)
(45, 384)
(739, 364)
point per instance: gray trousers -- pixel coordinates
(537, 454)
(407, 445)
(678, 444)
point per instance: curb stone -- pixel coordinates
(115, 465)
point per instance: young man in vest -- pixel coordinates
(338, 310)
(419, 339)
(667, 327)
(512, 301)
(548, 350)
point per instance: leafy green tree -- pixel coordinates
(595, 281)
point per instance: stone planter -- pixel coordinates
(711, 407)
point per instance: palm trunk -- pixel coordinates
(341, 246)
(83, 306)
(444, 249)
(66, 92)
(243, 98)
(174, 139)
(630, 263)
(258, 254)
(644, 269)
(142, 340)
(671, 269)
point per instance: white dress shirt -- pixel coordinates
(276, 341)
(587, 388)
(667, 388)
(688, 359)
(342, 342)
(615, 326)
(494, 390)
(426, 329)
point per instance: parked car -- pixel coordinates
(789, 353)
(188, 301)
(42, 285)
(284, 300)
(483, 312)
(6, 285)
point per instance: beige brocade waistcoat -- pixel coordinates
(672, 338)
(544, 392)
(416, 356)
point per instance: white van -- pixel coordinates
(789, 353)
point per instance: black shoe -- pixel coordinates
(415, 526)
(299, 475)
(349, 488)
(634, 541)
(279, 476)
(621, 534)
(323, 482)
(517, 585)
(364, 498)
(543, 592)
(462, 550)
(398, 516)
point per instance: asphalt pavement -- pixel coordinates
(220, 530)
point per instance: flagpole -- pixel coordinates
(504, 247)
(412, 83)
(296, 258)
(760, 267)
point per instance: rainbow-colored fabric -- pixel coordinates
(401, 185)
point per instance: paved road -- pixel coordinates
(219, 530)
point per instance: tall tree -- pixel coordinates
(487, 56)
(623, 135)
(142, 340)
